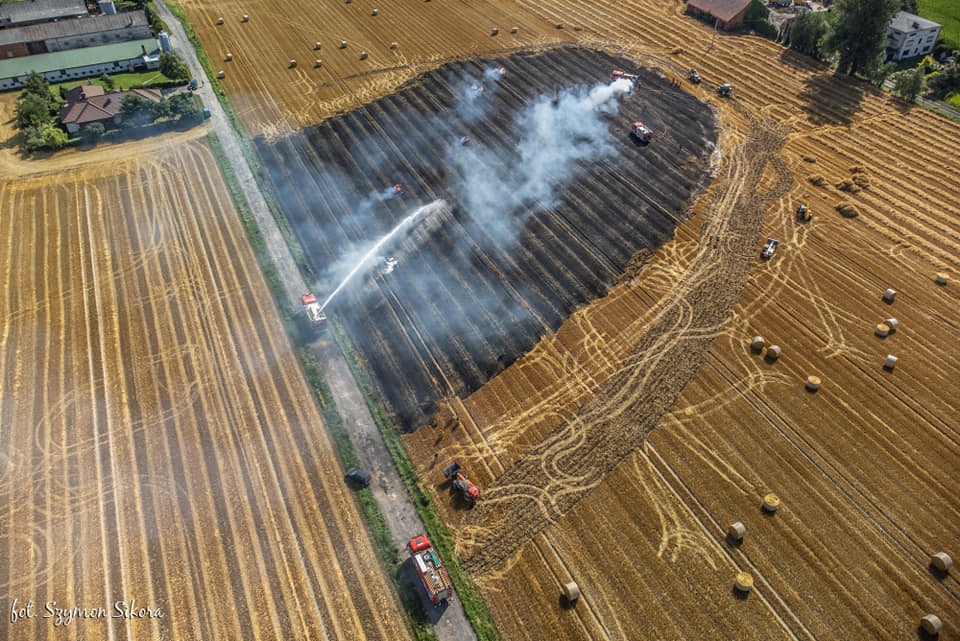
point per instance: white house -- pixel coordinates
(909, 35)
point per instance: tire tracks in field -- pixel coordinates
(561, 470)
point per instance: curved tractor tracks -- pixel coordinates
(564, 467)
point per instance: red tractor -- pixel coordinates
(642, 132)
(461, 484)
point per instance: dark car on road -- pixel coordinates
(358, 477)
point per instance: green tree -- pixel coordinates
(172, 67)
(46, 136)
(809, 32)
(36, 85)
(909, 84)
(757, 18)
(910, 6)
(183, 106)
(946, 81)
(107, 81)
(136, 111)
(860, 34)
(33, 110)
(93, 132)
(878, 75)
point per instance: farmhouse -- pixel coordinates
(14, 14)
(92, 31)
(729, 13)
(81, 63)
(909, 35)
(88, 104)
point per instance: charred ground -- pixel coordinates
(471, 295)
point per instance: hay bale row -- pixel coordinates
(817, 180)
(847, 209)
(848, 186)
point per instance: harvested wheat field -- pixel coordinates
(361, 55)
(160, 447)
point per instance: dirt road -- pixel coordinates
(388, 488)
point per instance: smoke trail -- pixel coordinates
(473, 96)
(360, 260)
(554, 136)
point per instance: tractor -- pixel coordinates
(461, 484)
(725, 90)
(803, 212)
(694, 76)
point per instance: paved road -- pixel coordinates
(451, 623)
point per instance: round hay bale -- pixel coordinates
(374, 12)
(292, 63)
(229, 57)
(494, 31)
(771, 503)
(736, 531)
(743, 582)
(773, 352)
(318, 62)
(882, 330)
(889, 295)
(809, 159)
(941, 279)
(817, 180)
(941, 561)
(571, 591)
(892, 323)
(219, 20)
(813, 383)
(514, 29)
(316, 46)
(363, 55)
(861, 180)
(891, 362)
(246, 18)
(394, 45)
(931, 624)
(343, 44)
(757, 344)
(220, 74)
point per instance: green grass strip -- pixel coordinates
(467, 591)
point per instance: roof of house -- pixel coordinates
(44, 62)
(103, 106)
(83, 92)
(725, 10)
(75, 27)
(908, 23)
(36, 10)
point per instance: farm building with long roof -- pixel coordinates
(73, 34)
(14, 14)
(81, 63)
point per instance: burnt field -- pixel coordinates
(546, 200)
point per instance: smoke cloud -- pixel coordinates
(554, 135)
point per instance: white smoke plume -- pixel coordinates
(554, 135)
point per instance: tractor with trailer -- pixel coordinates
(643, 133)
(461, 483)
(632, 77)
(318, 320)
(725, 90)
(430, 570)
(769, 248)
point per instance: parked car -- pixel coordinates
(358, 476)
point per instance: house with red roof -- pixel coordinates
(728, 13)
(88, 104)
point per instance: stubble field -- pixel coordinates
(159, 443)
